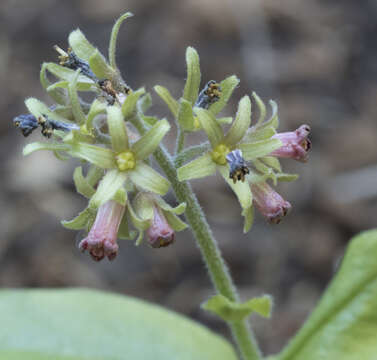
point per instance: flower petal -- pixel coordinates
(108, 187)
(117, 128)
(241, 189)
(227, 87)
(190, 93)
(261, 107)
(208, 122)
(102, 157)
(149, 142)
(200, 167)
(129, 105)
(35, 146)
(185, 115)
(148, 179)
(82, 185)
(169, 100)
(258, 149)
(241, 122)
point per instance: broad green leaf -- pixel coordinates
(191, 90)
(169, 100)
(231, 311)
(114, 37)
(344, 323)
(227, 87)
(78, 324)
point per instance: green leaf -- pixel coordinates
(191, 90)
(227, 87)
(185, 115)
(169, 100)
(129, 105)
(107, 188)
(241, 122)
(78, 324)
(82, 185)
(99, 156)
(200, 167)
(80, 45)
(100, 67)
(344, 324)
(117, 128)
(149, 179)
(78, 113)
(231, 311)
(114, 37)
(149, 142)
(35, 146)
(208, 122)
(258, 149)
(81, 221)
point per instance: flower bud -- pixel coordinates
(102, 238)
(160, 233)
(269, 202)
(295, 144)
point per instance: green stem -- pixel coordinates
(208, 246)
(180, 141)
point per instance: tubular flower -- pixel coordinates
(102, 238)
(295, 144)
(269, 202)
(221, 147)
(158, 218)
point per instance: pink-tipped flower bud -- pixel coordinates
(102, 238)
(295, 144)
(160, 233)
(269, 202)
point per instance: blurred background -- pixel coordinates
(317, 59)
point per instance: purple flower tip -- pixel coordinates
(160, 233)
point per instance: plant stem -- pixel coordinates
(180, 141)
(208, 246)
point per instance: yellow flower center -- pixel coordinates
(125, 160)
(219, 154)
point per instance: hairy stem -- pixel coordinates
(208, 246)
(180, 141)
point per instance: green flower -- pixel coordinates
(222, 145)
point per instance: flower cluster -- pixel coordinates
(123, 189)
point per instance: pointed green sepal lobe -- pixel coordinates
(272, 162)
(231, 311)
(121, 196)
(81, 221)
(208, 122)
(241, 122)
(149, 179)
(129, 106)
(200, 167)
(38, 109)
(36, 146)
(227, 87)
(145, 103)
(169, 100)
(149, 142)
(261, 108)
(138, 222)
(99, 156)
(124, 232)
(174, 221)
(178, 210)
(68, 75)
(117, 128)
(144, 206)
(57, 94)
(191, 90)
(82, 185)
(287, 177)
(248, 215)
(97, 107)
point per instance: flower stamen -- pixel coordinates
(126, 160)
(219, 154)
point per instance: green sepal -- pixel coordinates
(117, 128)
(149, 120)
(227, 87)
(114, 37)
(76, 136)
(272, 162)
(256, 134)
(82, 185)
(178, 210)
(265, 170)
(208, 122)
(241, 122)
(63, 84)
(140, 238)
(169, 100)
(149, 142)
(121, 196)
(78, 113)
(100, 67)
(144, 206)
(138, 223)
(248, 215)
(80, 45)
(200, 167)
(81, 221)
(149, 179)
(107, 188)
(144, 103)
(99, 156)
(36, 146)
(191, 90)
(261, 108)
(129, 105)
(58, 95)
(64, 111)
(174, 221)
(38, 109)
(68, 75)
(60, 156)
(94, 175)
(185, 115)
(124, 232)
(274, 119)
(231, 311)
(251, 151)
(287, 177)
(241, 189)
(225, 120)
(97, 107)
